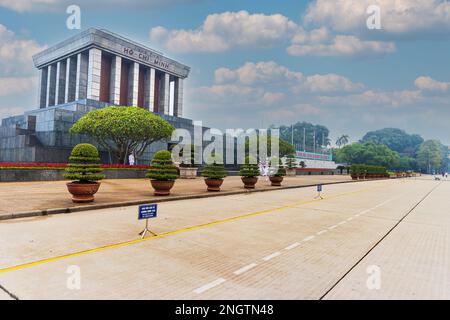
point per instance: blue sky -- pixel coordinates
(256, 63)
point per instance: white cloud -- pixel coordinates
(14, 85)
(398, 17)
(429, 84)
(292, 112)
(260, 72)
(330, 83)
(16, 54)
(340, 45)
(52, 5)
(374, 98)
(271, 73)
(235, 95)
(222, 31)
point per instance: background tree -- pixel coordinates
(342, 140)
(367, 153)
(395, 139)
(430, 156)
(304, 131)
(284, 147)
(123, 130)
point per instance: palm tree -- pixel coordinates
(342, 140)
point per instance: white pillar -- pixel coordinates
(60, 82)
(178, 98)
(81, 76)
(94, 71)
(116, 71)
(133, 82)
(51, 85)
(149, 98)
(43, 77)
(166, 93)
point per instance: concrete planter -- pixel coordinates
(162, 187)
(291, 172)
(188, 173)
(83, 192)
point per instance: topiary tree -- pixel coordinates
(278, 171)
(84, 164)
(248, 169)
(162, 167)
(291, 162)
(214, 171)
(123, 130)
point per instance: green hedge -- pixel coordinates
(366, 170)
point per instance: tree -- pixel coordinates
(367, 153)
(342, 140)
(304, 132)
(430, 155)
(123, 130)
(284, 147)
(395, 139)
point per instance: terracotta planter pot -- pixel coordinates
(249, 182)
(162, 187)
(354, 177)
(276, 181)
(83, 192)
(213, 184)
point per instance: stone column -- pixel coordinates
(116, 70)
(133, 84)
(43, 76)
(51, 85)
(178, 98)
(81, 77)
(165, 93)
(71, 75)
(60, 82)
(149, 99)
(94, 71)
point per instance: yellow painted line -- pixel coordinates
(171, 233)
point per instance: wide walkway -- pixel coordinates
(46, 195)
(382, 239)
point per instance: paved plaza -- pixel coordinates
(17, 197)
(384, 239)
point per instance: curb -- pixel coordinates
(46, 212)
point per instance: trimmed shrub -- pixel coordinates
(291, 162)
(84, 164)
(214, 171)
(280, 170)
(362, 170)
(162, 167)
(249, 170)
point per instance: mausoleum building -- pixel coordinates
(91, 70)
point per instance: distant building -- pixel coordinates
(91, 70)
(320, 162)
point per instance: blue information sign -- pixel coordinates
(319, 188)
(147, 211)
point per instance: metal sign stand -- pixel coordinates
(147, 211)
(144, 232)
(319, 192)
